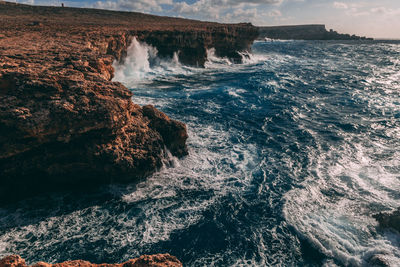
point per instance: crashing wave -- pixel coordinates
(142, 64)
(213, 61)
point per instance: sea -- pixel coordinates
(290, 155)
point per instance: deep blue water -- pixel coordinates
(290, 155)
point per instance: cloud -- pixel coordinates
(135, 5)
(224, 10)
(204, 9)
(183, 7)
(385, 11)
(240, 15)
(340, 5)
(353, 9)
(379, 10)
(275, 13)
(201, 8)
(29, 2)
(268, 2)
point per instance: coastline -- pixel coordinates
(305, 32)
(274, 143)
(65, 123)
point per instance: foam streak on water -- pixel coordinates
(290, 154)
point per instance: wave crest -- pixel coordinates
(143, 64)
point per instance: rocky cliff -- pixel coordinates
(304, 32)
(158, 260)
(63, 122)
(110, 32)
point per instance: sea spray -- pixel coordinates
(142, 65)
(136, 63)
(213, 61)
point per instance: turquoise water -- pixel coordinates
(290, 154)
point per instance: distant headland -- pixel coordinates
(304, 32)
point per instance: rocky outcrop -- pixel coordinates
(173, 133)
(389, 220)
(158, 260)
(63, 122)
(304, 32)
(74, 127)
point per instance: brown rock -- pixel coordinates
(173, 132)
(63, 122)
(157, 260)
(12, 261)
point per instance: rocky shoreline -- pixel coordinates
(63, 122)
(158, 260)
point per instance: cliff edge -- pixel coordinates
(63, 122)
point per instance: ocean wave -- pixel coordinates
(290, 154)
(142, 65)
(351, 179)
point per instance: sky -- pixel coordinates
(378, 19)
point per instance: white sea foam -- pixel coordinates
(251, 58)
(164, 202)
(215, 62)
(3, 248)
(202, 171)
(137, 62)
(333, 207)
(142, 65)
